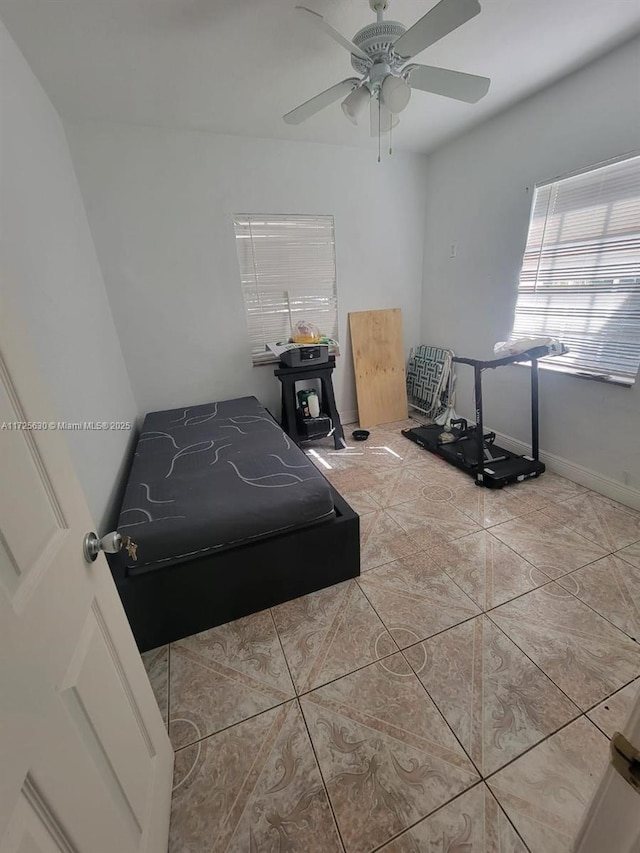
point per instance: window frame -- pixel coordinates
(245, 220)
(551, 363)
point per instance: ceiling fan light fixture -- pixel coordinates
(355, 103)
(395, 93)
(380, 52)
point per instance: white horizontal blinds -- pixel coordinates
(580, 279)
(287, 263)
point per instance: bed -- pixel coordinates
(223, 515)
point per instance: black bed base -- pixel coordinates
(170, 603)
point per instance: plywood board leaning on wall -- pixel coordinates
(378, 360)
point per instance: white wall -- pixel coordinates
(51, 278)
(480, 191)
(160, 204)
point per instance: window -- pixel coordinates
(288, 273)
(580, 279)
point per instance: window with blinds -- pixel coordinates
(580, 279)
(288, 273)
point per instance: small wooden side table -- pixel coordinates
(288, 376)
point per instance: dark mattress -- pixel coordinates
(212, 476)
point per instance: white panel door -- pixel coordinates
(85, 761)
(612, 821)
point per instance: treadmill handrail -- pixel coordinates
(531, 355)
(527, 355)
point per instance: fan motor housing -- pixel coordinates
(376, 40)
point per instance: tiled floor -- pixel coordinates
(456, 698)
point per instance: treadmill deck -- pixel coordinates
(507, 468)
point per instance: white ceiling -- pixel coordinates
(235, 66)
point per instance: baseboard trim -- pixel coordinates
(584, 476)
(349, 418)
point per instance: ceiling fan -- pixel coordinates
(379, 52)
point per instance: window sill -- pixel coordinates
(621, 381)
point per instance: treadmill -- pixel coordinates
(474, 451)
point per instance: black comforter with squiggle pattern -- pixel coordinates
(212, 476)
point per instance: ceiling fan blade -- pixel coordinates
(447, 16)
(326, 27)
(382, 119)
(319, 102)
(451, 84)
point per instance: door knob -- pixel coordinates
(111, 543)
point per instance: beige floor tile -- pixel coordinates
(486, 569)
(605, 522)
(546, 791)
(430, 521)
(387, 756)
(610, 586)
(360, 501)
(438, 486)
(359, 486)
(225, 675)
(357, 479)
(611, 715)
(330, 461)
(314, 454)
(415, 599)
(472, 823)
(438, 489)
(330, 633)
(383, 540)
(496, 701)
(631, 554)
(382, 450)
(156, 663)
(442, 488)
(546, 543)
(586, 656)
(435, 471)
(253, 787)
(493, 506)
(397, 486)
(388, 451)
(553, 486)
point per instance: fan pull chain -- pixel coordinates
(391, 137)
(379, 129)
